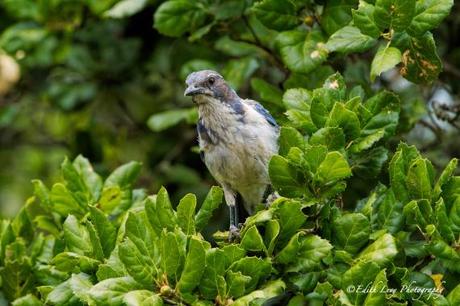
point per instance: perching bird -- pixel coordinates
(237, 138)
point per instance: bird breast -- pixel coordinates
(237, 146)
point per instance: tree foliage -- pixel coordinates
(357, 207)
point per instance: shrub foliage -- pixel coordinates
(89, 240)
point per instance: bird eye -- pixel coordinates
(211, 81)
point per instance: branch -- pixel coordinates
(267, 51)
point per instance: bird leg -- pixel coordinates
(270, 195)
(234, 231)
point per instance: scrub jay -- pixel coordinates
(237, 137)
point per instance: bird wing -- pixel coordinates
(261, 110)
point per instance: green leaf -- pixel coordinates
(232, 253)
(359, 276)
(112, 268)
(90, 178)
(386, 58)
(454, 296)
(142, 298)
(301, 51)
(126, 8)
(419, 179)
(390, 213)
(211, 203)
(74, 182)
(428, 15)
(76, 236)
(27, 300)
(394, 14)
(215, 267)
(105, 230)
(138, 264)
(159, 211)
(387, 120)
(333, 168)
(351, 232)
(270, 290)
(172, 251)
(228, 9)
(384, 101)
(450, 189)
(124, 176)
(236, 283)
(63, 201)
(381, 252)
(444, 225)
(336, 14)
(62, 295)
(363, 18)
(346, 119)
(258, 269)
(399, 166)
(42, 193)
(16, 271)
(290, 217)
(442, 250)
(444, 177)
(454, 215)
(303, 253)
(70, 262)
(331, 137)
(289, 137)
(311, 251)
(164, 120)
(297, 98)
(138, 229)
(80, 285)
(301, 120)
(277, 15)
(194, 267)
(378, 297)
(237, 71)
(314, 156)
(349, 39)
(98, 252)
(285, 178)
(421, 63)
(186, 213)
(111, 291)
(365, 143)
(272, 231)
(176, 17)
(267, 92)
(417, 213)
(305, 282)
(252, 240)
(111, 198)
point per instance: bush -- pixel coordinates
(361, 219)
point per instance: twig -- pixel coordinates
(275, 60)
(448, 67)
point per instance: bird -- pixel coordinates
(237, 138)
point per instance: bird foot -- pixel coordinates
(233, 233)
(272, 197)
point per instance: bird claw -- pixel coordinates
(233, 233)
(272, 197)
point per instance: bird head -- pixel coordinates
(206, 85)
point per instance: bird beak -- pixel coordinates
(192, 90)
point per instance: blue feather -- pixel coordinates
(261, 110)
